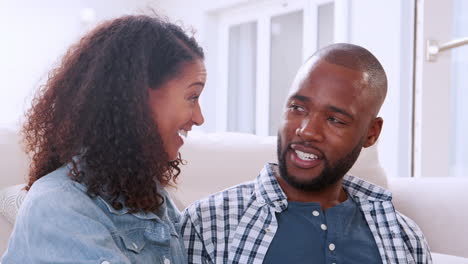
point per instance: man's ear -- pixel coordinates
(373, 132)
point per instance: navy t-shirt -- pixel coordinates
(306, 234)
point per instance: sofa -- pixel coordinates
(216, 161)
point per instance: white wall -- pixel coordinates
(34, 35)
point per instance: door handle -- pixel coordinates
(433, 48)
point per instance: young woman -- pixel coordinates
(104, 134)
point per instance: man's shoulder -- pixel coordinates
(414, 239)
(223, 201)
(409, 227)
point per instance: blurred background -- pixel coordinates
(253, 49)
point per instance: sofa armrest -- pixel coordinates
(439, 206)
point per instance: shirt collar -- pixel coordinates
(364, 190)
(268, 191)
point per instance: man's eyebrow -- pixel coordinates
(339, 110)
(299, 97)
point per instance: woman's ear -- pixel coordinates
(373, 132)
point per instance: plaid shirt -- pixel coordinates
(237, 225)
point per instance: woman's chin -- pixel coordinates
(173, 156)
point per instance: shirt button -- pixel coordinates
(331, 246)
(323, 226)
(166, 261)
(105, 262)
(268, 229)
(316, 213)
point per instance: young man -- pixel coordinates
(305, 209)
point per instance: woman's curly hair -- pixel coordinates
(94, 111)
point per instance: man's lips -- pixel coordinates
(299, 161)
(304, 157)
(307, 149)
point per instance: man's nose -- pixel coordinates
(311, 130)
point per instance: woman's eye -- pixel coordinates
(297, 108)
(194, 98)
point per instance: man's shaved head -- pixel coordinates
(329, 116)
(358, 59)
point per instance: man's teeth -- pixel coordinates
(305, 156)
(183, 133)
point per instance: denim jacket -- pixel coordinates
(59, 223)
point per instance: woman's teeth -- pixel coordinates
(183, 133)
(305, 156)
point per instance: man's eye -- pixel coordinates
(335, 120)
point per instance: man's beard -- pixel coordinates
(329, 176)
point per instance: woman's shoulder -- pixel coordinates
(56, 183)
(57, 207)
(56, 190)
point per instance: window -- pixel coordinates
(242, 78)
(285, 58)
(265, 44)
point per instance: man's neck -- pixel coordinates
(329, 197)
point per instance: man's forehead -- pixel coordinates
(318, 70)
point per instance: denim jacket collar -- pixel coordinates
(162, 211)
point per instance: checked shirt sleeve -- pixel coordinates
(415, 240)
(194, 245)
